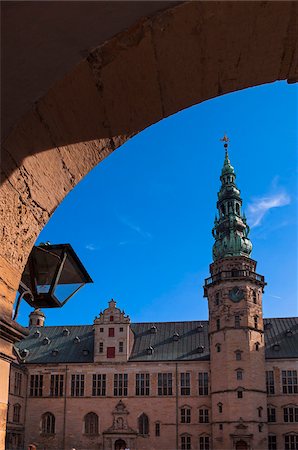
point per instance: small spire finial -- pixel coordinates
(225, 139)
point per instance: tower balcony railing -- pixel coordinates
(232, 274)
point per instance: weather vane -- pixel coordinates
(225, 139)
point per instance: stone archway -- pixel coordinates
(241, 445)
(177, 57)
(120, 444)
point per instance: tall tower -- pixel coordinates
(234, 291)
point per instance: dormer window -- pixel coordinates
(176, 336)
(201, 349)
(77, 340)
(153, 329)
(150, 350)
(46, 341)
(200, 328)
(66, 332)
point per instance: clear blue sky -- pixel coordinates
(141, 221)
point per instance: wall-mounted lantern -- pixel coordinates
(52, 275)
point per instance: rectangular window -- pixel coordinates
(255, 322)
(17, 383)
(204, 415)
(271, 414)
(120, 384)
(98, 385)
(101, 347)
(239, 374)
(157, 429)
(185, 415)
(289, 382)
(110, 352)
(270, 382)
(101, 330)
(272, 444)
(142, 384)
(36, 385)
(111, 332)
(121, 329)
(121, 346)
(165, 384)
(237, 321)
(56, 387)
(203, 383)
(185, 442)
(204, 443)
(77, 385)
(291, 442)
(218, 324)
(291, 414)
(185, 383)
(239, 394)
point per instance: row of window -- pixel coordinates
(290, 414)
(290, 442)
(91, 428)
(289, 382)
(254, 294)
(237, 319)
(120, 385)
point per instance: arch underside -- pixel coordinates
(179, 57)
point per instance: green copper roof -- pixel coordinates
(230, 228)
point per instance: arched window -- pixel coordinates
(260, 411)
(91, 423)
(238, 355)
(16, 413)
(257, 346)
(48, 423)
(219, 407)
(143, 425)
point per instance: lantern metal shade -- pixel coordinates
(53, 274)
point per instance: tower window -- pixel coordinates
(221, 426)
(257, 346)
(238, 209)
(239, 374)
(217, 298)
(256, 322)
(238, 355)
(101, 347)
(260, 411)
(219, 407)
(218, 324)
(254, 296)
(218, 348)
(260, 426)
(240, 393)
(237, 321)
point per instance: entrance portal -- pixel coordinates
(120, 444)
(241, 445)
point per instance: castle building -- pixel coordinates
(227, 383)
